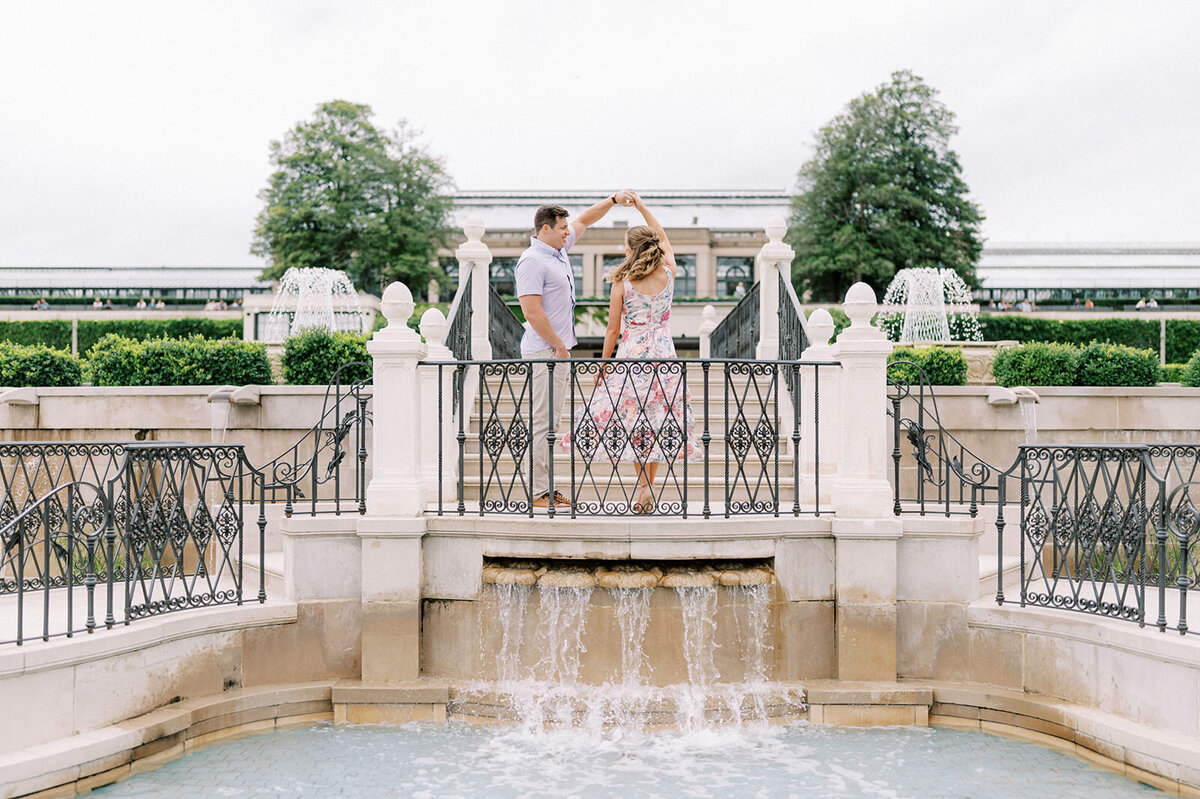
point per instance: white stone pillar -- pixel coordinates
(864, 529)
(395, 488)
(475, 259)
(862, 487)
(820, 414)
(434, 329)
(774, 258)
(708, 323)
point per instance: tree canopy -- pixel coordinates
(347, 195)
(882, 192)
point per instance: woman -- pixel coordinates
(641, 413)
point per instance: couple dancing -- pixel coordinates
(648, 402)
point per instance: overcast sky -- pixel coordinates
(138, 132)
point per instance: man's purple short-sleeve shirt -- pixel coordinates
(544, 270)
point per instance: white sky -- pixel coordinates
(136, 133)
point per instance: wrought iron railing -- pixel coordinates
(1106, 530)
(163, 531)
(932, 471)
(458, 333)
(793, 332)
(737, 334)
(707, 434)
(504, 328)
(326, 470)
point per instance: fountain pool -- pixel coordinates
(458, 760)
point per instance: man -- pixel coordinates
(546, 289)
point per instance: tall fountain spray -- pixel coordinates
(928, 304)
(313, 297)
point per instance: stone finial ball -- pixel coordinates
(433, 324)
(820, 327)
(474, 228)
(397, 303)
(860, 304)
(709, 313)
(776, 227)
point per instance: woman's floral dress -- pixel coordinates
(639, 412)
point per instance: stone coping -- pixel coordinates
(77, 764)
(695, 528)
(1164, 760)
(1122, 636)
(91, 759)
(37, 655)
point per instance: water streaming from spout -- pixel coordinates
(699, 605)
(752, 614)
(1029, 417)
(563, 616)
(633, 619)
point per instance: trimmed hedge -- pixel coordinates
(311, 358)
(1140, 333)
(55, 333)
(944, 366)
(1173, 372)
(1191, 372)
(1102, 364)
(1183, 335)
(37, 365)
(145, 329)
(193, 361)
(1037, 364)
(1097, 364)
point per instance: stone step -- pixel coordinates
(987, 574)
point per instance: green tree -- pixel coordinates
(883, 191)
(347, 195)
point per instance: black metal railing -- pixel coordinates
(793, 332)
(504, 328)
(458, 334)
(737, 334)
(932, 471)
(672, 437)
(1110, 530)
(164, 530)
(326, 470)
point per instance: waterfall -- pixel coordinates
(699, 605)
(633, 619)
(535, 640)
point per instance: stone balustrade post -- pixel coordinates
(392, 530)
(475, 260)
(864, 529)
(436, 394)
(775, 258)
(708, 323)
(820, 414)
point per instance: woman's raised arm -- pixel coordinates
(656, 226)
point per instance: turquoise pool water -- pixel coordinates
(461, 760)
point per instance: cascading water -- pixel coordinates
(538, 625)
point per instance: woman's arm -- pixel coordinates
(653, 224)
(616, 305)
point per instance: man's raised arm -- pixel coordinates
(594, 214)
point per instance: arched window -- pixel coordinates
(504, 276)
(685, 275)
(731, 271)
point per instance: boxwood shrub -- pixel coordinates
(1103, 364)
(193, 361)
(54, 333)
(37, 365)
(1037, 364)
(144, 329)
(311, 358)
(1140, 333)
(1173, 372)
(944, 366)
(1191, 371)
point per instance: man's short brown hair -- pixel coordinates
(548, 215)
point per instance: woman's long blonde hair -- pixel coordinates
(645, 256)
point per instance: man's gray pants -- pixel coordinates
(542, 416)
